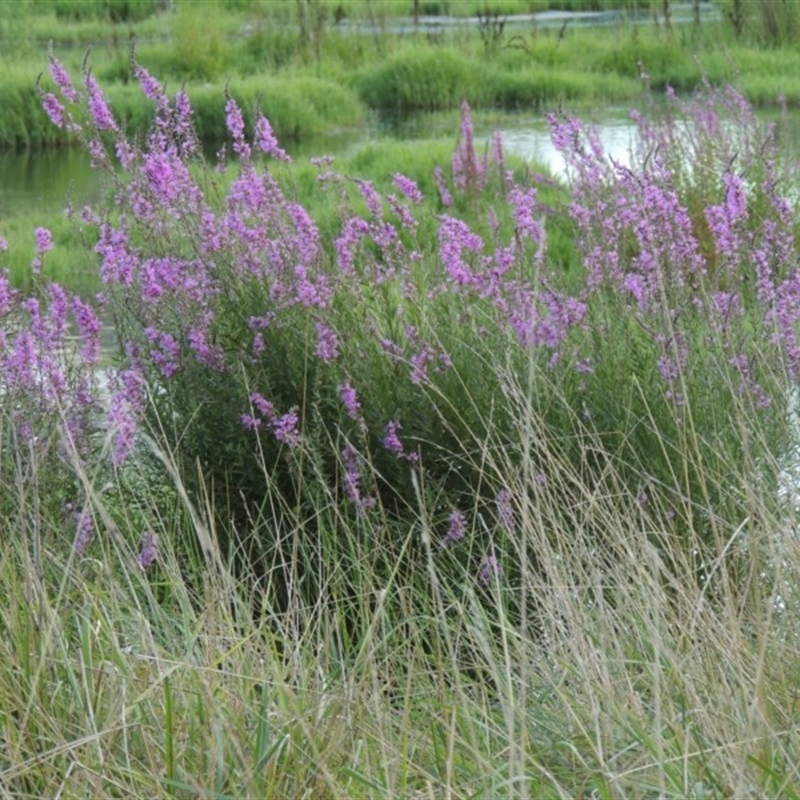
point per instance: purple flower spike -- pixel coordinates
(349, 398)
(391, 441)
(267, 141)
(150, 86)
(98, 108)
(235, 122)
(505, 510)
(408, 187)
(54, 109)
(489, 569)
(444, 193)
(62, 80)
(352, 462)
(327, 343)
(148, 555)
(285, 429)
(85, 529)
(456, 530)
(44, 241)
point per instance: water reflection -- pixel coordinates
(41, 180)
(524, 135)
(533, 143)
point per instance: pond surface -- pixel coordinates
(43, 180)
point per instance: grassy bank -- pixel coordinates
(261, 49)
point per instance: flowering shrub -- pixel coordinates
(282, 366)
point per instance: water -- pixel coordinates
(680, 14)
(533, 143)
(43, 181)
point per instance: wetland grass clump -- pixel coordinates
(421, 79)
(23, 123)
(436, 671)
(302, 107)
(526, 88)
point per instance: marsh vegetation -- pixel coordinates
(416, 474)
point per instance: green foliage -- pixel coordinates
(298, 109)
(775, 23)
(604, 689)
(433, 78)
(530, 88)
(113, 11)
(379, 160)
(210, 44)
(23, 123)
(421, 79)
(267, 49)
(641, 640)
(199, 48)
(661, 57)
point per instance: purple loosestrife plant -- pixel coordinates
(445, 197)
(469, 173)
(54, 109)
(677, 284)
(100, 113)
(148, 555)
(456, 530)
(63, 80)
(489, 570)
(391, 441)
(268, 345)
(84, 524)
(349, 398)
(354, 469)
(505, 510)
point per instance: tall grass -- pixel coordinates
(623, 678)
(301, 107)
(423, 78)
